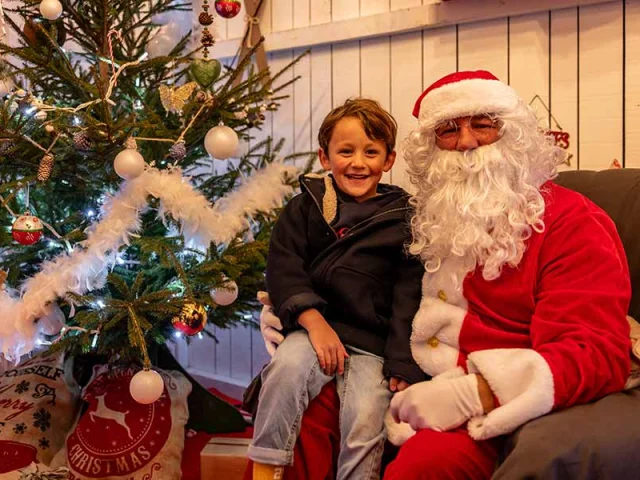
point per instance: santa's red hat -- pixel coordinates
(464, 93)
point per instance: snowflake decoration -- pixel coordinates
(22, 387)
(42, 419)
(19, 429)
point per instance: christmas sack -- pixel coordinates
(116, 437)
(39, 400)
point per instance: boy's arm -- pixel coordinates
(288, 283)
(407, 293)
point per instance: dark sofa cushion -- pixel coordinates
(617, 192)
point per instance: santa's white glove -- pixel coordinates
(440, 405)
(269, 324)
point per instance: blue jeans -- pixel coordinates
(289, 383)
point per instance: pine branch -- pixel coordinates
(159, 274)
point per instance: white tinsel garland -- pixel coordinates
(85, 268)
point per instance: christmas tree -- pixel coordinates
(119, 237)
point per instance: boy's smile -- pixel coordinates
(356, 161)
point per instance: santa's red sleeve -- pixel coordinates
(579, 332)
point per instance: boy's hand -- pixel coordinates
(331, 353)
(397, 384)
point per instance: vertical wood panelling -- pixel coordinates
(375, 78)
(484, 46)
(346, 71)
(259, 355)
(181, 350)
(600, 83)
(302, 139)
(344, 9)
(236, 25)
(321, 92)
(202, 353)
(301, 13)
(439, 54)
(399, 4)
(241, 360)
(373, 7)
(406, 87)
(283, 118)
(320, 11)
(564, 77)
(265, 130)
(265, 21)
(529, 60)
(223, 352)
(281, 15)
(632, 93)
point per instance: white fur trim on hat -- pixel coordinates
(467, 97)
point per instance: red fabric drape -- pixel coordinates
(316, 451)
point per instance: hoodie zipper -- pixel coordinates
(322, 255)
(325, 252)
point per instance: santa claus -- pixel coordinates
(526, 284)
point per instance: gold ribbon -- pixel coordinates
(252, 37)
(251, 21)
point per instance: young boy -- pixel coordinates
(346, 294)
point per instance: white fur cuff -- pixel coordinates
(522, 381)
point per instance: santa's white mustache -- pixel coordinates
(476, 206)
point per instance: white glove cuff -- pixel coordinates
(467, 395)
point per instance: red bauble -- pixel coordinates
(27, 229)
(191, 319)
(227, 8)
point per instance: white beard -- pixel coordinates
(478, 207)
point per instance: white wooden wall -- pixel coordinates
(584, 62)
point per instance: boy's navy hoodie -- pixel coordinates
(364, 284)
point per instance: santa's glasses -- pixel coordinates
(481, 126)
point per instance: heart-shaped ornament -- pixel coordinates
(205, 72)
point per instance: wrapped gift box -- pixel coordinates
(224, 459)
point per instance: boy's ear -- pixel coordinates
(324, 159)
(389, 161)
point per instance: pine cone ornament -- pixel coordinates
(205, 19)
(6, 146)
(207, 38)
(81, 141)
(178, 151)
(45, 168)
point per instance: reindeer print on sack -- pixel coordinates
(103, 412)
(119, 438)
(117, 435)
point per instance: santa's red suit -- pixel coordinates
(530, 333)
(545, 334)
